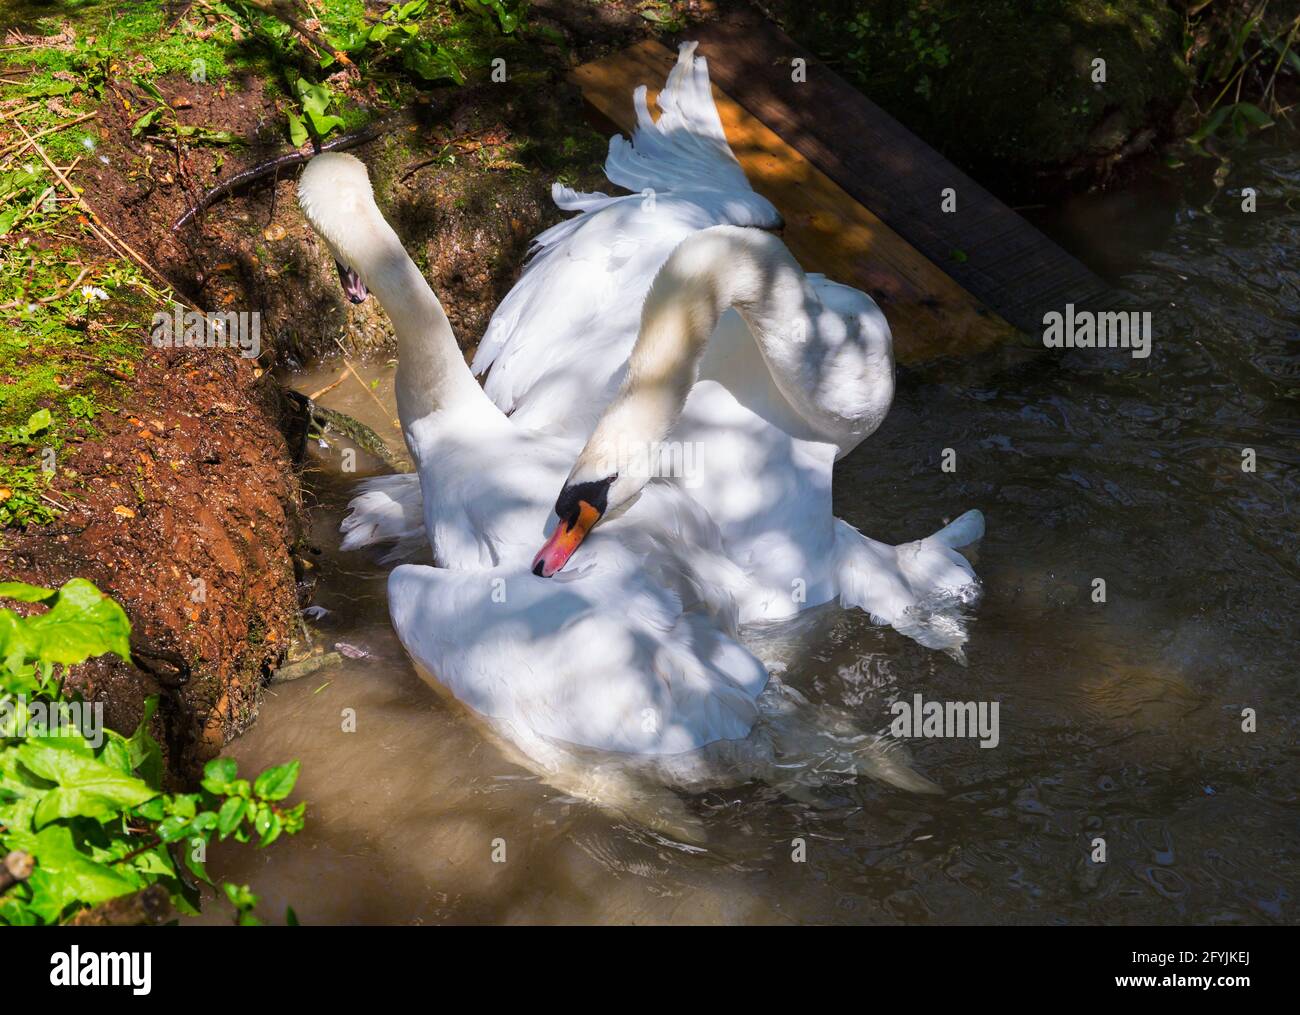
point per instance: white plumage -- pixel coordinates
(664, 319)
(780, 373)
(636, 652)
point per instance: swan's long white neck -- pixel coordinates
(709, 273)
(432, 375)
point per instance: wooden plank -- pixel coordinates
(1010, 266)
(826, 229)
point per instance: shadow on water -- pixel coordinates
(1119, 720)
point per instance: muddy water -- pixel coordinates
(1119, 721)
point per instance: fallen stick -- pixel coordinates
(97, 226)
(18, 145)
(397, 424)
(329, 387)
(294, 158)
(19, 112)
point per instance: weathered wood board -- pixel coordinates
(1004, 262)
(829, 231)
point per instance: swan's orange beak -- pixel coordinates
(564, 540)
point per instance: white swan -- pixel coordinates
(634, 655)
(792, 373)
(793, 370)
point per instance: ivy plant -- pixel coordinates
(83, 812)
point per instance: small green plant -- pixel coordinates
(22, 497)
(356, 42)
(1245, 59)
(508, 14)
(38, 422)
(162, 120)
(316, 100)
(82, 807)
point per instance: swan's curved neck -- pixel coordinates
(432, 375)
(709, 273)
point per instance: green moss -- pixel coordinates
(64, 351)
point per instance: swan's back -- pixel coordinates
(634, 651)
(558, 344)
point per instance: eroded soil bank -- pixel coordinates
(171, 475)
(184, 505)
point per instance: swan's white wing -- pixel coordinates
(686, 147)
(607, 661)
(921, 589)
(558, 344)
(389, 511)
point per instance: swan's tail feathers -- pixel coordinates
(683, 177)
(922, 589)
(821, 742)
(389, 512)
(962, 531)
(686, 147)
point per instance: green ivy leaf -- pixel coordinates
(230, 815)
(322, 124)
(297, 131)
(278, 782)
(173, 827)
(65, 875)
(147, 121)
(25, 593)
(218, 774)
(272, 830)
(82, 622)
(145, 754)
(37, 422)
(197, 867)
(87, 788)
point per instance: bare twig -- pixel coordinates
(283, 11)
(19, 112)
(329, 387)
(347, 363)
(48, 130)
(443, 151)
(15, 867)
(293, 158)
